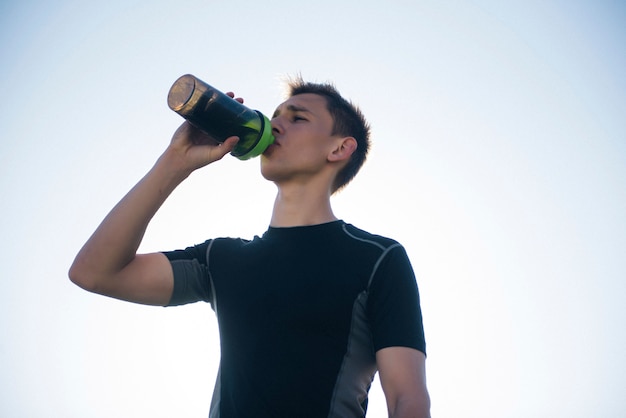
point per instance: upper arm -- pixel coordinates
(147, 279)
(402, 373)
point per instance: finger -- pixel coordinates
(232, 96)
(230, 143)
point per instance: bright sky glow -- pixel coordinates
(499, 162)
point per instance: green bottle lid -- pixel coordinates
(265, 139)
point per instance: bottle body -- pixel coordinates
(220, 116)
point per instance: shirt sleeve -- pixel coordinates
(191, 275)
(394, 303)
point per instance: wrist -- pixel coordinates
(172, 167)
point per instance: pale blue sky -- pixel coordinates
(499, 161)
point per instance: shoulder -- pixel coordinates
(200, 251)
(358, 234)
(232, 242)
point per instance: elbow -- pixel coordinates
(81, 277)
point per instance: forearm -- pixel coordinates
(115, 242)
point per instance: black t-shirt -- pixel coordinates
(301, 313)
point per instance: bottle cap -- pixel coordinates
(265, 139)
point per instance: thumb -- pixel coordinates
(225, 147)
(230, 142)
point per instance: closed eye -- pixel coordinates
(292, 111)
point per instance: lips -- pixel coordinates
(270, 148)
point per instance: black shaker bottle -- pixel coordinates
(220, 116)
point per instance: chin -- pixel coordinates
(271, 171)
(266, 168)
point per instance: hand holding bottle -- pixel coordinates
(192, 148)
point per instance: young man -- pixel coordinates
(310, 310)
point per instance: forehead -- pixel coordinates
(305, 102)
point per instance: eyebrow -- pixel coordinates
(291, 108)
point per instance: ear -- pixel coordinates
(343, 149)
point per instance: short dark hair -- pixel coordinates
(348, 120)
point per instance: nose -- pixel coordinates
(277, 127)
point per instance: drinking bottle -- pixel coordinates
(220, 116)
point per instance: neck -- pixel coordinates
(301, 207)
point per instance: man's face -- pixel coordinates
(302, 127)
